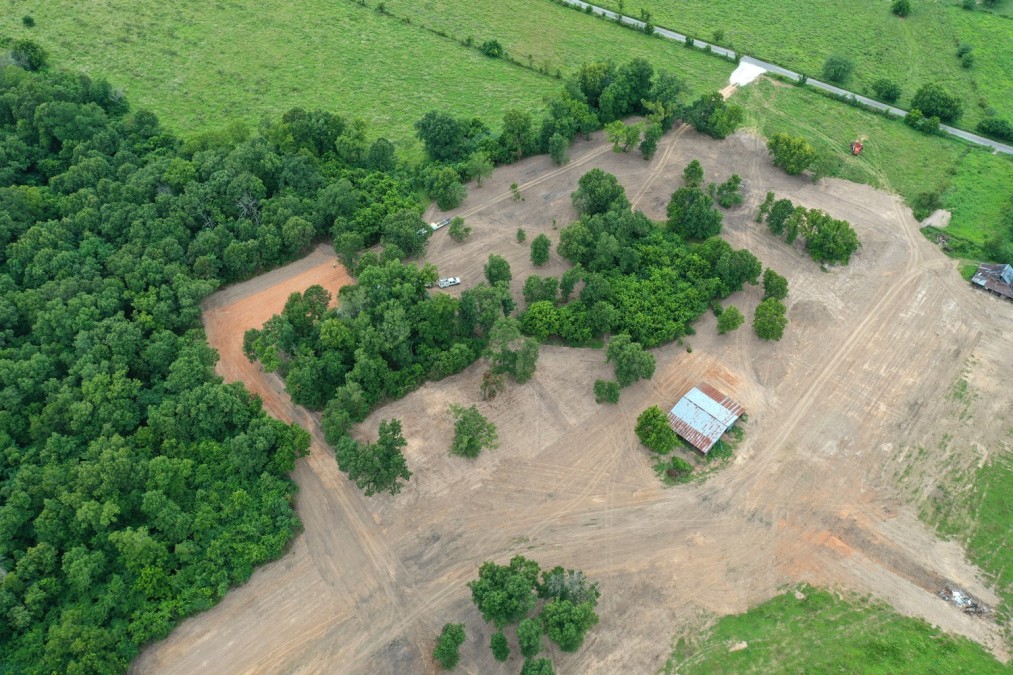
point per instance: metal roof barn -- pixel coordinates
(703, 415)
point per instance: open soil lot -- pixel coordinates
(865, 370)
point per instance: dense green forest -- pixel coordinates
(136, 486)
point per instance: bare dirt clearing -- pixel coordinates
(865, 367)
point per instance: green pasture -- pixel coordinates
(819, 632)
(543, 34)
(912, 51)
(202, 65)
(975, 184)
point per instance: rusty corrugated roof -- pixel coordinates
(703, 415)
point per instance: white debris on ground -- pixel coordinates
(745, 73)
(963, 600)
(738, 646)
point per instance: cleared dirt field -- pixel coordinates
(864, 370)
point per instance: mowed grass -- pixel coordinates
(822, 633)
(543, 34)
(979, 191)
(912, 51)
(975, 184)
(202, 65)
(979, 514)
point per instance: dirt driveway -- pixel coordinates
(863, 373)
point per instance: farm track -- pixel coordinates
(367, 585)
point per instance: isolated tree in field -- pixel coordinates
(794, 154)
(540, 247)
(540, 666)
(510, 352)
(632, 363)
(28, 55)
(458, 231)
(521, 235)
(654, 431)
(376, 467)
(447, 190)
(886, 90)
(837, 69)
(828, 239)
(497, 269)
(504, 594)
(492, 48)
(729, 193)
(472, 432)
(730, 319)
(500, 647)
(770, 320)
(598, 192)
(934, 101)
(691, 214)
(529, 634)
(692, 175)
(774, 285)
(901, 7)
(559, 149)
(445, 138)
(447, 652)
(479, 167)
(567, 623)
(606, 391)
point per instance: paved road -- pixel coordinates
(774, 68)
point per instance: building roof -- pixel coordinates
(995, 278)
(703, 415)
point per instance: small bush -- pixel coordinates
(458, 230)
(654, 431)
(932, 100)
(28, 21)
(925, 204)
(499, 646)
(967, 60)
(673, 470)
(692, 175)
(521, 235)
(540, 247)
(837, 69)
(729, 193)
(901, 7)
(730, 319)
(886, 90)
(492, 48)
(996, 128)
(970, 4)
(606, 391)
(447, 652)
(768, 201)
(29, 55)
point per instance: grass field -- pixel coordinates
(976, 511)
(200, 66)
(822, 633)
(543, 33)
(975, 184)
(911, 51)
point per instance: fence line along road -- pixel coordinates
(774, 68)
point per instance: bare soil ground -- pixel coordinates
(864, 370)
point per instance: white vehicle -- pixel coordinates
(447, 282)
(442, 223)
